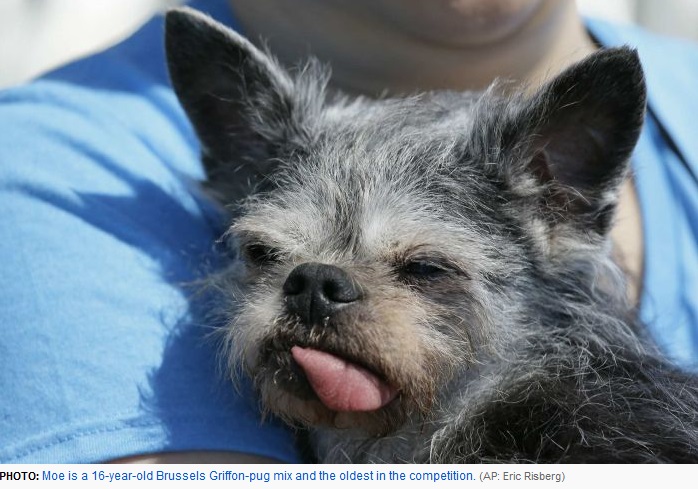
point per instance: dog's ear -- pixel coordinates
(574, 137)
(245, 108)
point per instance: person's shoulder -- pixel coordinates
(111, 105)
(124, 89)
(670, 63)
(609, 33)
(132, 68)
(665, 58)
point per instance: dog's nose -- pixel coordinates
(315, 291)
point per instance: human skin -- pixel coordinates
(402, 46)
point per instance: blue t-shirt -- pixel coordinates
(103, 354)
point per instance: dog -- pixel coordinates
(429, 278)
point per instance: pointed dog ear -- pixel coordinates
(576, 134)
(245, 108)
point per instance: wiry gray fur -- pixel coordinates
(475, 227)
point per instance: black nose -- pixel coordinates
(315, 291)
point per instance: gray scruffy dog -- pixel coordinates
(429, 278)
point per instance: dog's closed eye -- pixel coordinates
(427, 269)
(422, 269)
(260, 254)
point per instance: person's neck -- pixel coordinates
(369, 56)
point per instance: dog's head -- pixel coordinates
(391, 244)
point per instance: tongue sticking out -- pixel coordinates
(342, 385)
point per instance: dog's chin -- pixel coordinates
(286, 392)
(300, 409)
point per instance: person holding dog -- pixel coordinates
(106, 353)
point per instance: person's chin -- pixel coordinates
(458, 22)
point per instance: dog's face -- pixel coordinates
(390, 245)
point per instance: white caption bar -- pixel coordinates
(349, 476)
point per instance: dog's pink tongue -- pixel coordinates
(342, 385)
